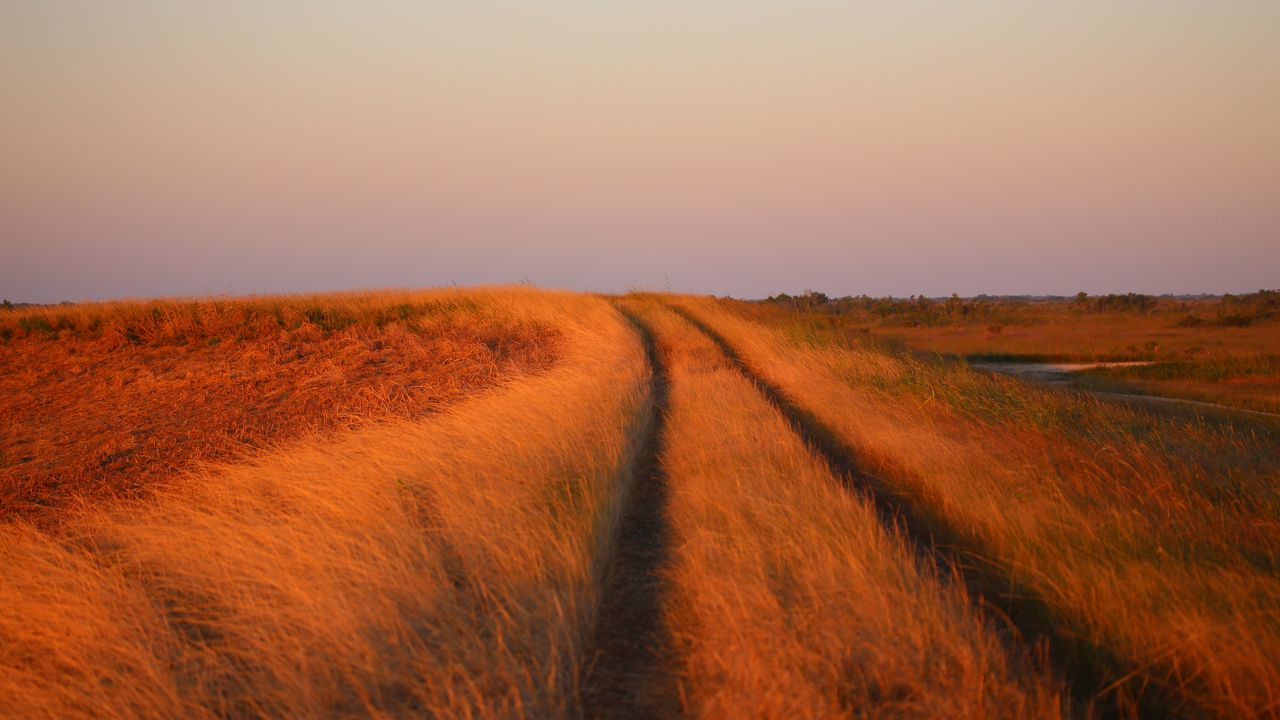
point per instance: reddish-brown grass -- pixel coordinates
(454, 563)
(101, 401)
(1106, 328)
(1087, 338)
(447, 565)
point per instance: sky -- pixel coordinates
(736, 148)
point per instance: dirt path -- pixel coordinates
(629, 672)
(1087, 668)
(1059, 375)
(1163, 400)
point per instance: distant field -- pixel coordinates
(1244, 380)
(1221, 350)
(515, 503)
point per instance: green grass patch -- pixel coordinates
(1208, 370)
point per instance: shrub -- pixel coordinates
(1129, 302)
(1235, 320)
(36, 323)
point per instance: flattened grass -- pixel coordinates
(447, 565)
(102, 401)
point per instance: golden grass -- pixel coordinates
(1208, 358)
(452, 563)
(1200, 350)
(1251, 382)
(1054, 331)
(787, 597)
(1261, 392)
(447, 565)
(103, 400)
(1157, 540)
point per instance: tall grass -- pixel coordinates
(87, 415)
(446, 566)
(452, 564)
(182, 321)
(1229, 363)
(788, 598)
(1251, 382)
(1040, 332)
(1154, 540)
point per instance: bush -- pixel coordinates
(1235, 320)
(1129, 302)
(36, 323)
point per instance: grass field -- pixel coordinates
(1224, 351)
(515, 503)
(100, 400)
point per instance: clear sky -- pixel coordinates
(728, 147)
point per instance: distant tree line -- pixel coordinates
(920, 310)
(1244, 310)
(1129, 302)
(911, 311)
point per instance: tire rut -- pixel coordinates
(629, 659)
(1100, 684)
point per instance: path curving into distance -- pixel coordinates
(629, 657)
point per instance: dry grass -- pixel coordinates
(452, 563)
(1089, 338)
(788, 597)
(1249, 381)
(1156, 539)
(446, 566)
(1209, 362)
(1116, 327)
(103, 400)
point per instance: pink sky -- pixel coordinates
(733, 148)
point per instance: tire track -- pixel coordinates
(629, 671)
(1101, 685)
